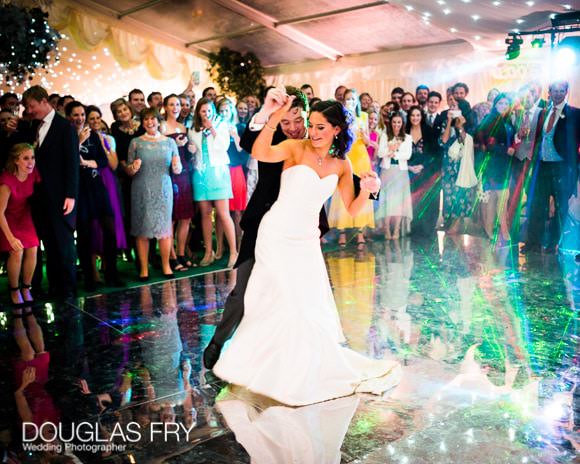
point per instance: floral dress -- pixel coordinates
(457, 201)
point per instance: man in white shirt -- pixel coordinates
(53, 204)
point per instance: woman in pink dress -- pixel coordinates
(238, 160)
(373, 139)
(17, 234)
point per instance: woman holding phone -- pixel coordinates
(209, 141)
(457, 201)
(182, 185)
(94, 204)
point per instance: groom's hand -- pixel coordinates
(275, 99)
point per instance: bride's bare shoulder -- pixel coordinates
(345, 167)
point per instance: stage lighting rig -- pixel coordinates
(562, 23)
(514, 42)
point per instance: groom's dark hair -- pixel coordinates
(300, 101)
(337, 115)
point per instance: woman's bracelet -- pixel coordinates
(273, 129)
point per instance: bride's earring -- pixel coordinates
(332, 150)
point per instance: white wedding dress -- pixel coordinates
(288, 344)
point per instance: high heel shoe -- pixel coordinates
(29, 288)
(232, 260)
(207, 261)
(15, 304)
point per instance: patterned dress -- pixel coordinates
(457, 201)
(152, 189)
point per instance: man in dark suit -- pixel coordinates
(292, 126)
(53, 204)
(441, 118)
(554, 167)
(432, 110)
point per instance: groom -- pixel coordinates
(292, 126)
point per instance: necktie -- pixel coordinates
(37, 143)
(431, 119)
(525, 127)
(551, 121)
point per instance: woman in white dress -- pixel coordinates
(288, 345)
(395, 148)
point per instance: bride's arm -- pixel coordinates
(353, 204)
(262, 150)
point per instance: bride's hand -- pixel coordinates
(370, 182)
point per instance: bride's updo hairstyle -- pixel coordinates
(338, 116)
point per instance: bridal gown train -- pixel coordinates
(289, 344)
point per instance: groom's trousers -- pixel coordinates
(234, 305)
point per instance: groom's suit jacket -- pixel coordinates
(266, 193)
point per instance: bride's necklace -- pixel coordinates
(319, 159)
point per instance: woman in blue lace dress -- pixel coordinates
(150, 158)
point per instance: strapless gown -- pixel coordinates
(290, 345)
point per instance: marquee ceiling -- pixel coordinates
(283, 32)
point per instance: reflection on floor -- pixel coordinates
(488, 341)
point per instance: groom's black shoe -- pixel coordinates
(211, 355)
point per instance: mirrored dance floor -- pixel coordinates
(488, 341)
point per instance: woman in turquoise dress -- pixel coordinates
(150, 158)
(212, 187)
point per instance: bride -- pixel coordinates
(289, 344)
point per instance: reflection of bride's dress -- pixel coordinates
(287, 346)
(307, 435)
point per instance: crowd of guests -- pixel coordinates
(170, 168)
(492, 161)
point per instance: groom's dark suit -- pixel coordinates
(263, 198)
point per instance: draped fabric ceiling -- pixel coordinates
(372, 45)
(294, 32)
(129, 49)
